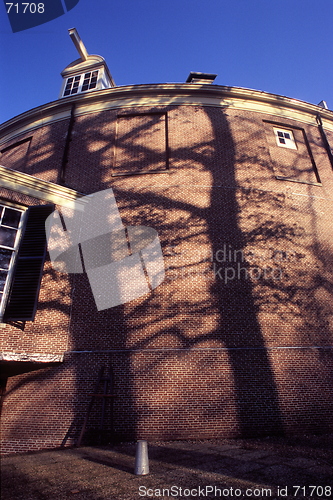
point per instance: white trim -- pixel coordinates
(200, 349)
(32, 358)
(164, 95)
(14, 249)
(47, 191)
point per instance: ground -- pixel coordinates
(298, 467)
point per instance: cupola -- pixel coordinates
(86, 74)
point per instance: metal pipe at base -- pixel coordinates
(141, 467)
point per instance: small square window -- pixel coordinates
(284, 138)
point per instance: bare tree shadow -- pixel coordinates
(207, 317)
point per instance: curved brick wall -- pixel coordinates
(237, 341)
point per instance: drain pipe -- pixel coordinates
(324, 138)
(61, 177)
(141, 467)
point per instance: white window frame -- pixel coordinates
(81, 80)
(284, 138)
(14, 249)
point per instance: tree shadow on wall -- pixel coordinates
(208, 223)
(173, 312)
(235, 218)
(256, 393)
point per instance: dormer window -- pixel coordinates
(81, 83)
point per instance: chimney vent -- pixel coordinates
(200, 78)
(323, 104)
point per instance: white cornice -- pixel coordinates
(37, 188)
(78, 65)
(164, 95)
(31, 358)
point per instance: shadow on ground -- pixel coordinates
(261, 468)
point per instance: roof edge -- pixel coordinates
(171, 90)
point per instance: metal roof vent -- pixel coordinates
(200, 78)
(323, 104)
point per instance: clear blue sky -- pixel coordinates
(283, 47)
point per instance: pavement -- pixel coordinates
(275, 468)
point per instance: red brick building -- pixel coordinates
(237, 340)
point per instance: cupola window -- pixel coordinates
(81, 83)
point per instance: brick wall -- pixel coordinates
(237, 339)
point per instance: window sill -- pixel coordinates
(280, 178)
(166, 171)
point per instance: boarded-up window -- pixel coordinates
(23, 295)
(141, 144)
(292, 158)
(15, 155)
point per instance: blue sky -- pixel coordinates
(283, 47)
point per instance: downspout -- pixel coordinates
(61, 176)
(324, 138)
(3, 384)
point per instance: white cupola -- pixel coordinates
(86, 74)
